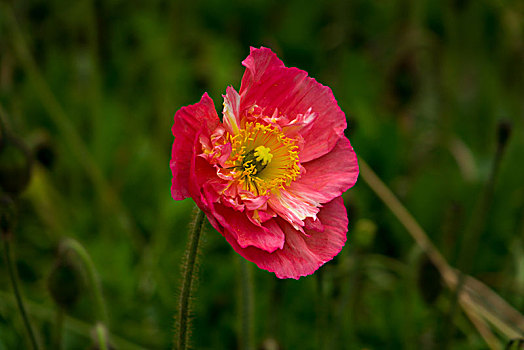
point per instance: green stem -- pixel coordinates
(189, 274)
(92, 277)
(19, 300)
(247, 306)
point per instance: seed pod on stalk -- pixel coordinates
(15, 165)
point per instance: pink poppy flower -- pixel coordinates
(269, 176)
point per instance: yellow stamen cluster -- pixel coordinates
(262, 158)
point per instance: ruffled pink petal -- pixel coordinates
(188, 120)
(329, 176)
(267, 237)
(302, 254)
(270, 85)
(260, 216)
(313, 224)
(255, 203)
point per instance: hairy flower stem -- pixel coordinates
(247, 306)
(92, 276)
(189, 274)
(16, 290)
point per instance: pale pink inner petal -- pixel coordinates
(231, 111)
(293, 207)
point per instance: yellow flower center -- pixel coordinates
(262, 158)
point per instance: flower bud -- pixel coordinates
(43, 148)
(45, 154)
(100, 334)
(66, 280)
(2, 136)
(503, 132)
(15, 165)
(364, 233)
(7, 214)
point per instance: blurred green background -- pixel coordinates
(91, 87)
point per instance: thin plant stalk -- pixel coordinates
(484, 300)
(18, 295)
(189, 274)
(247, 306)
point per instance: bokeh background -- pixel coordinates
(91, 88)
